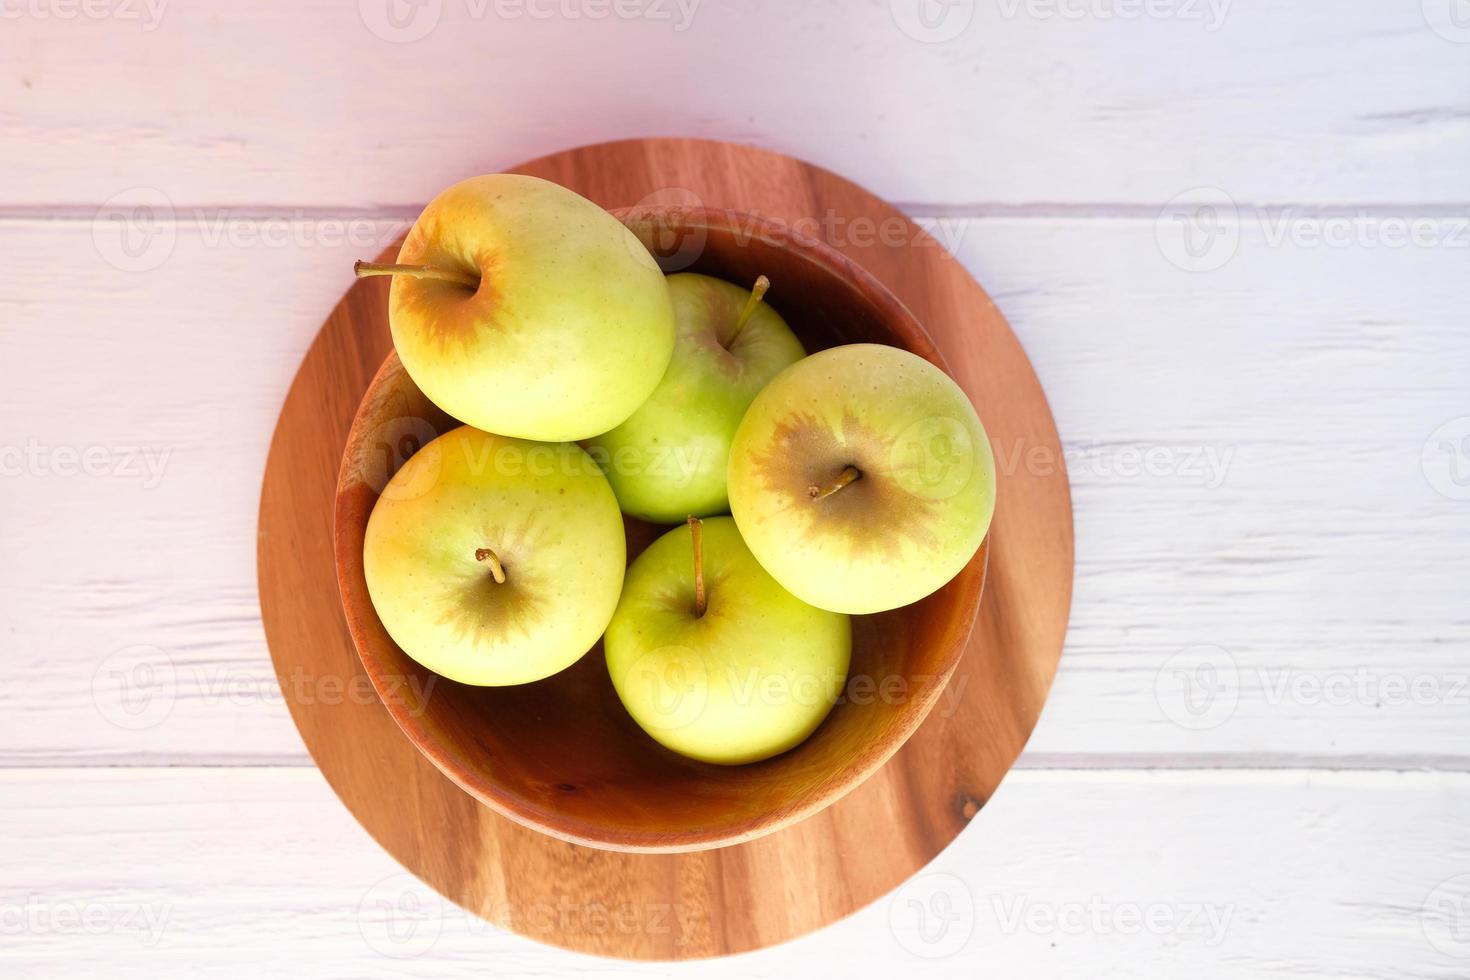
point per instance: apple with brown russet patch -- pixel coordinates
(522, 308)
(494, 560)
(668, 460)
(862, 479)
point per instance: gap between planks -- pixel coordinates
(1433, 765)
(1041, 211)
(1360, 778)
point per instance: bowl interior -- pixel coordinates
(562, 755)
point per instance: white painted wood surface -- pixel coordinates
(1267, 438)
(297, 104)
(1242, 873)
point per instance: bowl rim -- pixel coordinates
(347, 547)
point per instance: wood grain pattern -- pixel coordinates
(562, 755)
(927, 793)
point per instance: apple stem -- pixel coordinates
(843, 479)
(365, 269)
(756, 292)
(696, 537)
(496, 569)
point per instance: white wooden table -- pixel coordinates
(1256, 758)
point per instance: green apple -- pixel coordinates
(524, 309)
(731, 674)
(669, 459)
(862, 479)
(494, 560)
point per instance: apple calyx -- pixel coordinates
(364, 269)
(756, 292)
(848, 475)
(696, 538)
(497, 571)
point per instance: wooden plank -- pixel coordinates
(1320, 372)
(165, 872)
(1286, 400)
(303, 106)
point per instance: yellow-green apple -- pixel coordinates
(862, 479)
(713, 658)
(494, 560)
(668, 460)
(524, 309)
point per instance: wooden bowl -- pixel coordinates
(561, 755)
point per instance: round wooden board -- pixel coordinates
(797, 879)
